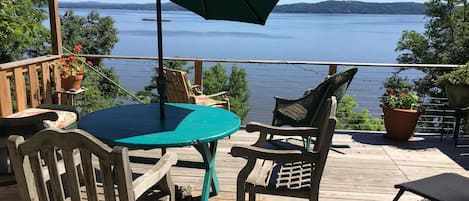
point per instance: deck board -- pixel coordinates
(366, 171)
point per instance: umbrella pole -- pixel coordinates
(161, 78)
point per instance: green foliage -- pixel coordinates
(216, 80)
(97, 35)
(351, 120)
(459, 77)
(21, 30)
(445, 41)
(398, 93)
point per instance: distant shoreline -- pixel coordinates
(325, 7)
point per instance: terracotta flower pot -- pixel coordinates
(72, 82)
(400, 123)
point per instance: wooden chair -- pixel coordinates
(294, 171)
(42, 176)
(28, 122)
(180, 90)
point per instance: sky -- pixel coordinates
(280, 2)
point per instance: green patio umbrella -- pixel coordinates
(250, 11)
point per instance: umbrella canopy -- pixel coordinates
(250, 11)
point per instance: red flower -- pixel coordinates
(77, 48)
(62, 59)
(390, 91)
(404, 95)
(80, 72)
(89, 63)
(72, 57)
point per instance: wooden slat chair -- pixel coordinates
(42, 176)
(180, 90)
(29, 121)
(294, 171)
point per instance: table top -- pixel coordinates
(140, 125)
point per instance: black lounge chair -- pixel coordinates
(442, 187)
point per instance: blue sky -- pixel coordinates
(280, 2)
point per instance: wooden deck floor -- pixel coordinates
(366, 171)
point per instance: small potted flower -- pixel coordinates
(401, 108)
(456, 84)
(72, 69)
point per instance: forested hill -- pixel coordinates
(321, 7)
(353, 7)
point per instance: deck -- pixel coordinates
(366, 171)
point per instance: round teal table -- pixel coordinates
(139, 126)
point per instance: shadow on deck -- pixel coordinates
(366, 171)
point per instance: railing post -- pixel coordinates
(332, 69)
(55, 32)
(198, 71)
(20, 89)
(5, 95)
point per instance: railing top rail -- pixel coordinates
(25, 62)
(279, 61)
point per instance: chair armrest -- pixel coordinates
(69, 108)
(155, 174)
(284, 131)
(222, 93)
(284, 156)
(29, 120)
(197, 89)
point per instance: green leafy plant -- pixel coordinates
(72, 65)
(350, 119)
(399, 94)
(459, 77)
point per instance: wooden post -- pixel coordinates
(20, 89)
(198, 71)
(5, 95)
(332, 69)
(55, 32)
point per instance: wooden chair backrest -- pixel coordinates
(41, 176)
(324, 139)
(178, 86)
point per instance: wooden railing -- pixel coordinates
(28, 83)
(198, 63)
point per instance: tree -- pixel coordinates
(216, 80)
(97, 35)
(351, 120)
(21, 31)
(445, 40)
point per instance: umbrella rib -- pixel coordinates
(249, 6)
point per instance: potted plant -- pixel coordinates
(401, 108)
(456, 84)
(72, 69)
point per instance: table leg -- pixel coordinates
(457, 115)
(208, 152)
